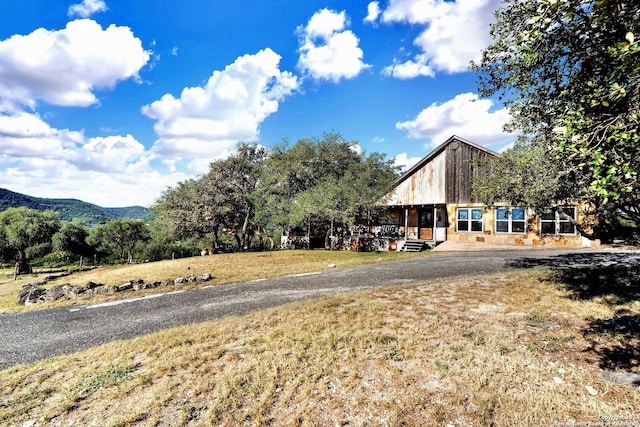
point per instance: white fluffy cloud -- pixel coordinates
(111, 171)
(87, 8)
(373, 11)
(208, 120)
(65, 67)
(465, 115)
(137, 185)
(409, 69)
(455, 34)
(24, 135)
(328, 51)
(405, 162)
(110, 154)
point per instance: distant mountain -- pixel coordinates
(70, 209)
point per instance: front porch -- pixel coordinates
(419, 227)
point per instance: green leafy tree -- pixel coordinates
(71, 239)
(237, 178)
(323, 181)
(568, 72)
(220, 200)
(119, 237)
(25, 234)
(525, 175)
(255, 190)
(189, 210)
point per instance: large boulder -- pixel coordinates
(106, 289)
(167, 282)
(73, 291)
(54, 293)
(125, 287)
(30, 294)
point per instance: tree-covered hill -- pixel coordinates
(70, 209)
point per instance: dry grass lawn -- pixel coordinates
(519, 349)
(225, 268)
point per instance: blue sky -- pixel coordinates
(112, 101)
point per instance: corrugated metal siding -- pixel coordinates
(425, 187)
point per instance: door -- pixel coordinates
(425, 224)
(441, 223)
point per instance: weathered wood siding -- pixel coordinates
(424, 187)
(461, 171)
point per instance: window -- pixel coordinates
(469, 219)
(511, 220)
(558, 223)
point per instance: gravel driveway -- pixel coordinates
(30, 336)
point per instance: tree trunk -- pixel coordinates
(245, 226)
(214, 241)
(22, 266)
(327, 239)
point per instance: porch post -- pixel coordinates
(406, 223)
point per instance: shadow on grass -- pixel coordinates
(616, 341)
(613, 277)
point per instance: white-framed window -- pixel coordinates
(555, 222)
(469, 219)
(511, 220)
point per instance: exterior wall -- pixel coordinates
(531, 237)
(462, 170)
(425, 187)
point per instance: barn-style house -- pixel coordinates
(433, 202)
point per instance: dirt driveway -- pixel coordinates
(31, 336)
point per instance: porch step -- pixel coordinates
(417, 245)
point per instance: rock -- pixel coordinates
(622, 378)
(168, 282)
(54, 293)
(179, 280)
(36, 296)
(30, 294)
(91, 285)
(332, 266)
(106, 289)
(24, 292)
(190, 279)
(72, 291)
(67, 289)
(125, 287)
(204, 277)
(592, 391)
(139, 285)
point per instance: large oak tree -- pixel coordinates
(26, 233)
(568, 72)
